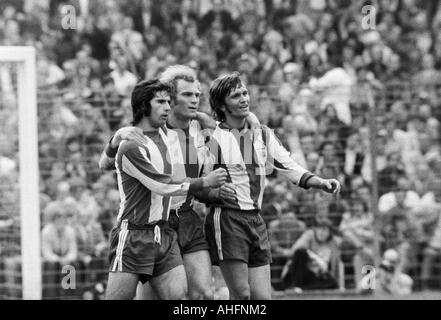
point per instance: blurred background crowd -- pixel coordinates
(361, 104)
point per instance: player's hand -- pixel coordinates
(330, 186)
(253, 121)
(227, 192)
(128, 133)
(205, 120)
(215, 178)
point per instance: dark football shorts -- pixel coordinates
(190, 229)
(148, 251)
(238, 235)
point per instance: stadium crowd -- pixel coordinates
(316, 73)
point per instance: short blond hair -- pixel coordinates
(178, 71)
(172, 74)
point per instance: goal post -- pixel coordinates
(25, 58)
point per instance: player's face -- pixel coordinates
(186, 103)
(160, 109)
(237, 103)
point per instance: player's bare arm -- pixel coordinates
(294, 171)
(208, 122)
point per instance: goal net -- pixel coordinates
(20, 262)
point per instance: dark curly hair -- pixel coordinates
(142, 94)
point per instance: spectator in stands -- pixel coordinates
(396, 126)
(90, 238)
(363, 192)
(329, 164)
(129, 40)
(429, 74)
(329, 120)
(335, 89)
(353, 155)
(283, 233)
(403, 189)
(158, 62)
(424, 179)
(92, 246)
(124, 80)
(304, 111)
(315, 260)
(308, 144)
(357, 229)
(312, 161)
(400, 229)
(86, 66)
(277, 202)
(75, 165)
(291, 85)
(49, 73)
(394, 72)
(388, 177)
(289, 137)
(334, 136)
(63, 191)
(57, 175)
(58, 239)
(376, 55)
(81, 194)
(428, 146)
(433, 249)
(391, 279)
(58, 247)
(307, 209)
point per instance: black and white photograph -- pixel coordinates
(218, 150)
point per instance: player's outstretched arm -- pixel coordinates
(281, 160)
(107, 160)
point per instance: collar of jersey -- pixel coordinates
(224, 125)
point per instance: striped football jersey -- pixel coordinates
(146, 181)
(248, 156)
(188, 153)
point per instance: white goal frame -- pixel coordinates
(25, 57)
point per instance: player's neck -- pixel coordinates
(176, 122)
(235, 123)
(146, 126)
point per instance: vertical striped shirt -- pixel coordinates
(146, 181)
(188, 154)
(248, 156)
